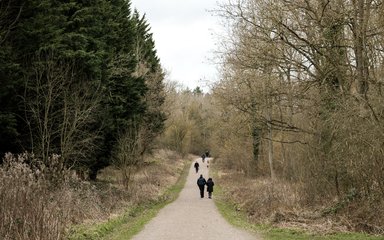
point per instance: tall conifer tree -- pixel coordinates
(89, 44)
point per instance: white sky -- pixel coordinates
(183, 31)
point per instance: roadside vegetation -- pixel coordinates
(38, 204)
(239, 213)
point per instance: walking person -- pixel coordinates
(201, 183)
(196, 166)
(210, 185)
(207, 154)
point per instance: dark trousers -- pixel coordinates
(197, 169)
(210, 194)
(201, 191)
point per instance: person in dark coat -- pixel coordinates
(203, 157)
(201, 183)
(210, 185)
(196, 166)
(207, 154)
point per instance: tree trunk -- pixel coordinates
(270, 152)
(359, 29)
(256, 135)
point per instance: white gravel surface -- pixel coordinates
(192, 217)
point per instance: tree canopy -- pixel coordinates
(71, 81)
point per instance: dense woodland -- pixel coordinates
(295, 123)
(81, 89)
(77, 78)
(300, 101)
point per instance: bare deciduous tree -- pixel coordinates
(295, 71)
(127, 157)
(60, 110)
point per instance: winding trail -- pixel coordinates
(192, 217)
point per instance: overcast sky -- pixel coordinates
(183, 34)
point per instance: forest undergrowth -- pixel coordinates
(286, 205)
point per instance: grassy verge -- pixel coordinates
(238, 218)
(134, 219)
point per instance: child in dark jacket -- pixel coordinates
(210, 185)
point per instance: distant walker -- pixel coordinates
(196, 166)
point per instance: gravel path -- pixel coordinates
(191, 217)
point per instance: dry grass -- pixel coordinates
(33, 204)
(284, 204)
(259, 197)
(40, 202)
(158, 172)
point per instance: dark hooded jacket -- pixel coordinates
(210, 185)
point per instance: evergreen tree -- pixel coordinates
(10, 84)
(123, 101)
(93, 46)
(149, 67)
(49, 34)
